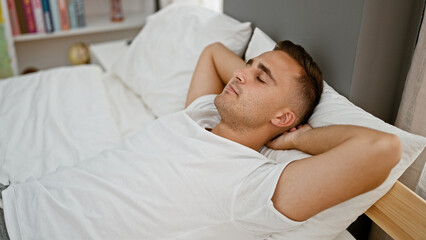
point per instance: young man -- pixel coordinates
(197, 174)
(270, 96)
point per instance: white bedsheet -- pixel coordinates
(52, 118)
(128, 110)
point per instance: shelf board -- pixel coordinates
(95, 24)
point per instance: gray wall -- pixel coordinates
(329, 34)
(362, 47)
(385, 48)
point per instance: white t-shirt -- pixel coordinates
(171, 180)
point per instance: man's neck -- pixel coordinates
(253, 138)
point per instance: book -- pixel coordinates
(38, 15)
(13, 17)
(47, 16)
(29, 16)
(54, 12)
(81, 17)
(72, 14)
(63, 14)
(21, 16)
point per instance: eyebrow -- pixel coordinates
(263, 68)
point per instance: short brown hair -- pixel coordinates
(310, 81)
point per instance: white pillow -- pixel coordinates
(259, 43)
(332, 109)
(159, 63)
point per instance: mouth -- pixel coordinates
(231, 89)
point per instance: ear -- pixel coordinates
(284, 118)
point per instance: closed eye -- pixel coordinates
(260, 80)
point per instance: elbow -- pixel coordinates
(389, 151)
(214, 46)
(398, 149)
(395, 149)
(387, 155)
(211, 48)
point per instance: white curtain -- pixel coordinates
(412, 113)
(412, 118)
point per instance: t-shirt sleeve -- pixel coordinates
(203, 102)
(252, 205)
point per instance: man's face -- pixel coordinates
(257, 92)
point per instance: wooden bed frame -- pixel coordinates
(401, 213)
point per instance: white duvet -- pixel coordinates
(60, 117)
(161, 183)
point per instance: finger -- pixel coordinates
(293, 129)
(271, 144)
(300, 126)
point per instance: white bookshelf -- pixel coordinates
(47, 50)
(95, 24)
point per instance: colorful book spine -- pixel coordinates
(38, 15)
(54, 12)
(81, 17)
(13, 16)
(63, 14)
(72, 14)
(47, 16)
(21, 16)
(29, 16)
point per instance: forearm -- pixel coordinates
(323, 139)
(225, 62)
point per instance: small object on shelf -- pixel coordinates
(116, 11)
(30, 70)
(79, 53)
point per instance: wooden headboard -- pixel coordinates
(363, 47)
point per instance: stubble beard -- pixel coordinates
(235, 116)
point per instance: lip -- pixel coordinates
(231, 89)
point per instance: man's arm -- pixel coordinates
(214, 69)
(349, 160)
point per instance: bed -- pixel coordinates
(63, 116)
(406, 224)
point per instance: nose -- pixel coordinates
(244, 74)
